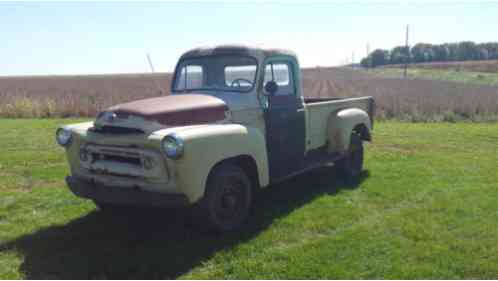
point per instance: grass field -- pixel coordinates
(490, 66)
(468, 77)
(426, 207)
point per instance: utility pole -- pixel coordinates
(407, 52)
(352, 60)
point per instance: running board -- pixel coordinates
(311, 162)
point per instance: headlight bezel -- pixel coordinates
(179, 146)
(65, 142)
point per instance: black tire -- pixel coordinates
(227, 200)
(109, 208)
(352, 164)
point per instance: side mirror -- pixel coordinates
(271, 87)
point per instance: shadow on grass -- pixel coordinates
(155, 244)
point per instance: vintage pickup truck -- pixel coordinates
(236, 121)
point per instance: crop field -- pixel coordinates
(423, 100)
(418, 100)
(425, 207)
(64, 96)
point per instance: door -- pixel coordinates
(285, 122)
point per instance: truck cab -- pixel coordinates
(240, 76)
(236, 120)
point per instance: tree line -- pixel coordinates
(424, 52)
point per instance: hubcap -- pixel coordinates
(229, 201)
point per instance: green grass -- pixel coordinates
(475, 78)
(426, 207)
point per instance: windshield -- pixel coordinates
(217, 72)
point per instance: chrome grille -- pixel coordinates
(122, 161)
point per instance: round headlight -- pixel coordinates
(172, 146)
(63, 136)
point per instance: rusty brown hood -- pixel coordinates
(175, 110)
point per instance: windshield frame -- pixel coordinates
(214, 56)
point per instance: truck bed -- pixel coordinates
(314, 100)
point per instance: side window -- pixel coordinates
(281, 74)
(191, 77)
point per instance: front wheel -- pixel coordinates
(352, 164)
(227, 199)
(109, 208)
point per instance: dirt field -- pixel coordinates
(413, 100)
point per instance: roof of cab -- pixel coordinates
(236, 50)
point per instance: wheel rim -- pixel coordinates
(231, 201)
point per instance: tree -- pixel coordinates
(452, 51)
(365, 62)
(423, 52)
(491, 48)
(399, 54)
(467, 50)
(441, 52)
(483, 54)
(379, 57)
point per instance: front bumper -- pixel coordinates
(124, 196)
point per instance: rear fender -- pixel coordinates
(342, 123)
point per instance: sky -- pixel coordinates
(114, 37)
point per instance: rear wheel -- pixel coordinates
(227, 199)
(352, 164)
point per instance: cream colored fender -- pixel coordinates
(341, 125)
(205, 146)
